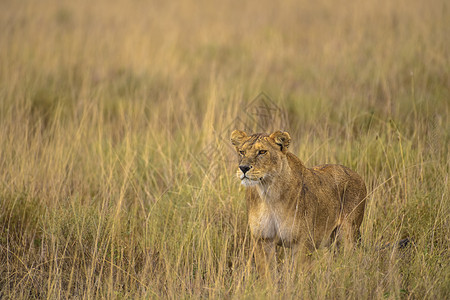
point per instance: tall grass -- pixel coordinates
(116, 179)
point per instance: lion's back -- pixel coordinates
(351, 188)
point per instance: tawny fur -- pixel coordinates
(294, 206)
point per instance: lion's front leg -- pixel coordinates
(265, 258)
(301, 254)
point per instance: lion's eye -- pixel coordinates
(262, 152)
(242, 152)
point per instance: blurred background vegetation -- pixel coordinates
(116, 179)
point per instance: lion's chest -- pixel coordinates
(269, 223)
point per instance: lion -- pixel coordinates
(291, 205)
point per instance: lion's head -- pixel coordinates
(261, 156)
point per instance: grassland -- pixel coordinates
(116, 179)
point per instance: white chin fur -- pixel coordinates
(247, 182)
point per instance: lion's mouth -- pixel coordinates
(248, 181)
(243, 176)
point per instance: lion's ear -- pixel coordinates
(237, 137)
(282, 139)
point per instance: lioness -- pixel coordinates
(291, 205)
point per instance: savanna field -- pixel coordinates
(117, 177)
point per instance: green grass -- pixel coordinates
(117, 177)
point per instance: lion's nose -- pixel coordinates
(244, 168)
